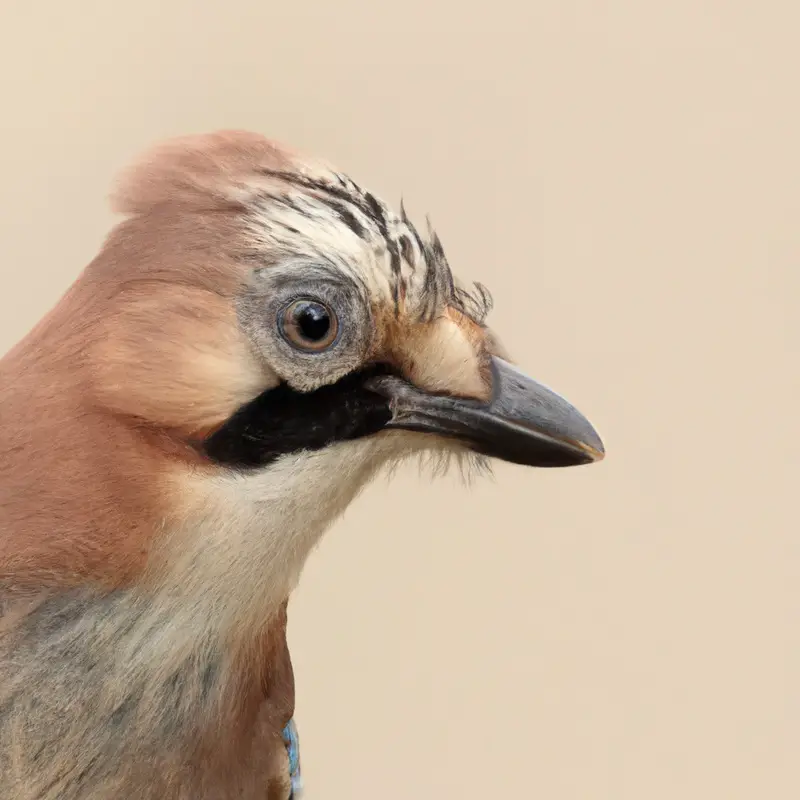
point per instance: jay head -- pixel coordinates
(255, 340)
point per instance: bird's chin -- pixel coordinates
(523, 422)
(435, 455)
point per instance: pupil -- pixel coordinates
(313, 322)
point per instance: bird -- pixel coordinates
(256, 339)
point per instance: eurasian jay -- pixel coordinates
(256, 339)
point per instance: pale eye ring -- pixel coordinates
(309, 325)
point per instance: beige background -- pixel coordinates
(626, 178)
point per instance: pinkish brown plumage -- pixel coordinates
(180, 430)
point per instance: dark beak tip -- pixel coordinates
(596, 453)
(594, 447)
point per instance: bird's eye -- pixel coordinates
(309, 325)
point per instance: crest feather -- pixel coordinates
(206, 170)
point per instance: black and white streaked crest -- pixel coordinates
(333, 218)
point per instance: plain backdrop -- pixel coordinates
(625, 177)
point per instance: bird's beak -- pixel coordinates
(523, 422)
